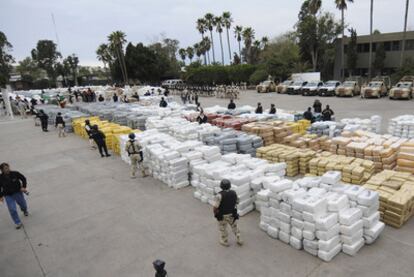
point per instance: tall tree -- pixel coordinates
(264, 41)
(198, 50)
(202, 28)
(209, 18)
(28, 67)
(371, 19)
(351, 53)
(5, 59)
(218, 22)
(205, 45)
(342, 6)
(117, 40)
(238, 30)
(190, 53)
(104, 55)
(379, 61)
(72, 62)
(407, 3)
(248, 37)
(227, 20)
(46, 56)
(183, 54)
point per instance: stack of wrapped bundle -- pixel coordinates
(245, 173)
(405, 157)
(402, 126)
(354, 170)
(396, 191)
(320, 215)
(261, 129)
(297, 160)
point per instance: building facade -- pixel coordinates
(392, 45)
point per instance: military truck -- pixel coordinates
(282, 87)
(348, 88)
(266, 86)
(404, 89)
(377, 88)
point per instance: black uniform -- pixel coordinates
(115, 97)
(327, 115)
(11, 183)
(272, 110)
(231, 106)
(43, 120)
(259, 109)
(163, 104)
(317, 107)
(227, 204)
(309, 116)
(202, 120)
(99, 139)
(59, 120)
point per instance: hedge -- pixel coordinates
(218, 74)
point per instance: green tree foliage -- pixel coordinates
(379, 60)
(29, 70)
(407, 69)
(258, 76)
(5, 59)
(46, 56)
(218, 74)
(316, 34)
(71, 63)
(352, 54)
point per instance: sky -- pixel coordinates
(84, 24)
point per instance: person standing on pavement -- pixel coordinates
(12, 186)
(225, 211)
(231, 105)
(21, 106)
(134, 151)
(327, 114)
(99, 138)
(115, 97)
(317, 106)
(259, 108)
(272, 109)
(43, 120)
(88, 129)
(60, 125)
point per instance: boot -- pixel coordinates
(224, 242)
(239, 240)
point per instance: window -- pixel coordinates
(366, 47)
(396, 45)
(409, 44)
(387, 46)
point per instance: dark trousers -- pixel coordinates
(44, 125)
(102, 147)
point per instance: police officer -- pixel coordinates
(12, 186)
(225, 211)
(88, 129)
(134, 151)
(272, 109)
(99, 138)
(259, 108)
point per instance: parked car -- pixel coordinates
(266, 86)
(348, 88)
(311, 88)
(404, 89)
(282, 87)
(328, 89)
(172, 83)
(296, 87)
(375, 89)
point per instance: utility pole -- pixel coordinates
(58, 45)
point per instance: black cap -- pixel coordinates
(131, 136)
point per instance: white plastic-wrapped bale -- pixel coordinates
(323, 219)
(402, 126)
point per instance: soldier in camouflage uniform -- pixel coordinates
(134, 151)
(225, 211)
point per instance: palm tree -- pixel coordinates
(183, 54)
(218, 22)
(407, 3)
(103, 55)
(117, 40)
(342, 6)
(190, 53)
(209, 18)
(265, 41)
(198, 51)
(248, 37)
(205, 45)
(238, 35)
(202, 28)
(227, 20)
(314, 6)
(371, 18)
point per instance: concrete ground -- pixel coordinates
(88, 218)
(344, 107)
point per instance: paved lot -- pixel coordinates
(343, 107)
(88, 218)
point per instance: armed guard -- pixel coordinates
(225, 211)
(134, 151)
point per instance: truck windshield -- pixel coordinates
(403, 85)
(348, 84)
(374, 84)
